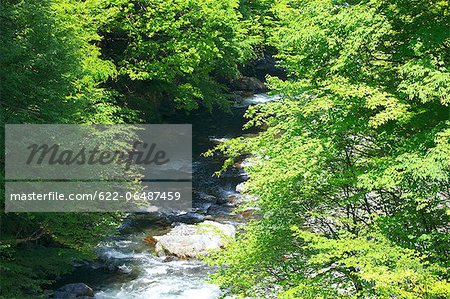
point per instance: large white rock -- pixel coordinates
(189, 241)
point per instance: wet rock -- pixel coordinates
(124, 269)
(244, 175)
(251, 84)
(74, 291)
(235, 199)
(190, 241)
(263, 66)
(243, 94)
(79, 264)
(207, 197)
(168, 259)
(221, 201)
(223, 210)
(96, 265)
(146, 219)
(188, 218)
(201, 200)
(202, 207)
(240, 187)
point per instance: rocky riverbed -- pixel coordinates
(156, 254)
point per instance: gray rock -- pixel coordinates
(202, 207)
(145, 219)
(74, 290)
(235, 199)
(169, 259)
(265, 65)
(221, 210)
(248, 84)
(188, 218)
(207, 197)
(190, 241)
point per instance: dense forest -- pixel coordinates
(351, 167)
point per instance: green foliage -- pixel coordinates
(355, 154)
(353, 167)
(366, 266)
(179, 46)
(51, 73)
(51, 66)
(69, 61)
(24, 271)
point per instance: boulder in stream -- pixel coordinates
(74, 291)
(190, 241)
(250, 84)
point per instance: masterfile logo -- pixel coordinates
(104, 167)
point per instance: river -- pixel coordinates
(127, 268)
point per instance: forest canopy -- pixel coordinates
(102, 62)
(352, 172)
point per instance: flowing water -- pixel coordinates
(127, 268)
